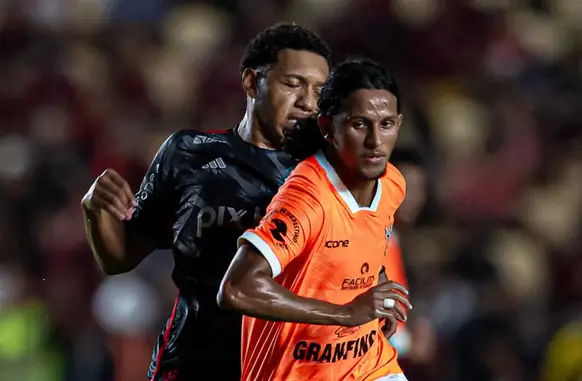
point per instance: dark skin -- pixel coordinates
(366, 128)
(281, 93)
(276, 95)
(362, 140)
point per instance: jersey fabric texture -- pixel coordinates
(320, 244)
(201, 192)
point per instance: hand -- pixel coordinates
(390, 327)
(384, 301)
(110, 192)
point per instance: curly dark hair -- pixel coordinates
(264, 48)
(304, 138)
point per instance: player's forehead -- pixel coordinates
(301, 64)
(371, 103)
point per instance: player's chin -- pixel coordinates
(373, 171)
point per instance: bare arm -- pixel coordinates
(115, 251)
(120, 230)
(248, 287)
(107, 207)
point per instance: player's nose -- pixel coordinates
(373, 138)
(307, 102)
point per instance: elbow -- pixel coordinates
(228, 296)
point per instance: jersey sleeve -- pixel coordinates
(151, 218)
(293, 221)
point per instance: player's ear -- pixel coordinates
(249, 82)
(325, 126)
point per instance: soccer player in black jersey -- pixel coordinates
(200, 193)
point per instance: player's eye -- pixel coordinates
(293, 85)
(387, 124)
(359, 124)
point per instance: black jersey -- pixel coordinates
(200, 193)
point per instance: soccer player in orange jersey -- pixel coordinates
(307, 276)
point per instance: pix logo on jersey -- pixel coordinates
(362, 281)
(222, 216)
(280, 220)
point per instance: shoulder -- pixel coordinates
(394, 178)
(393, 183)
(186, 144)
(305, 188)
(193, 140)
(307, 176)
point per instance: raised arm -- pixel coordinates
(106, 207)
(122, 229)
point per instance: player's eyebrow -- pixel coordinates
(391, 117)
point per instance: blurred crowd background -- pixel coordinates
(493, 106)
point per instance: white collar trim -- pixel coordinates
(344, 193)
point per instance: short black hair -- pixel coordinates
(304, 138)
(264, 48)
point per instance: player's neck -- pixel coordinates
(250, 131)
(363, 190)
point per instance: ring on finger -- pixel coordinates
(389, 303)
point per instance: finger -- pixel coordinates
(399, 287)
(381, 313)
(114, 212)
(397, 297)
(107, 184)
(400, 313)
(123, 185)
(390, 327)
(112, 175)
(388, 286)
(120, 183)
(99, 203)
(397, 311)
(129, 194)
(109, 200)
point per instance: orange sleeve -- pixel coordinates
(394, 268)
(294, 219)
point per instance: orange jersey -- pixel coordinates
(320, 244)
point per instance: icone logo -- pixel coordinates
(336, 244)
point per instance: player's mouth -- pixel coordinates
(292, 119)
(374, 158)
